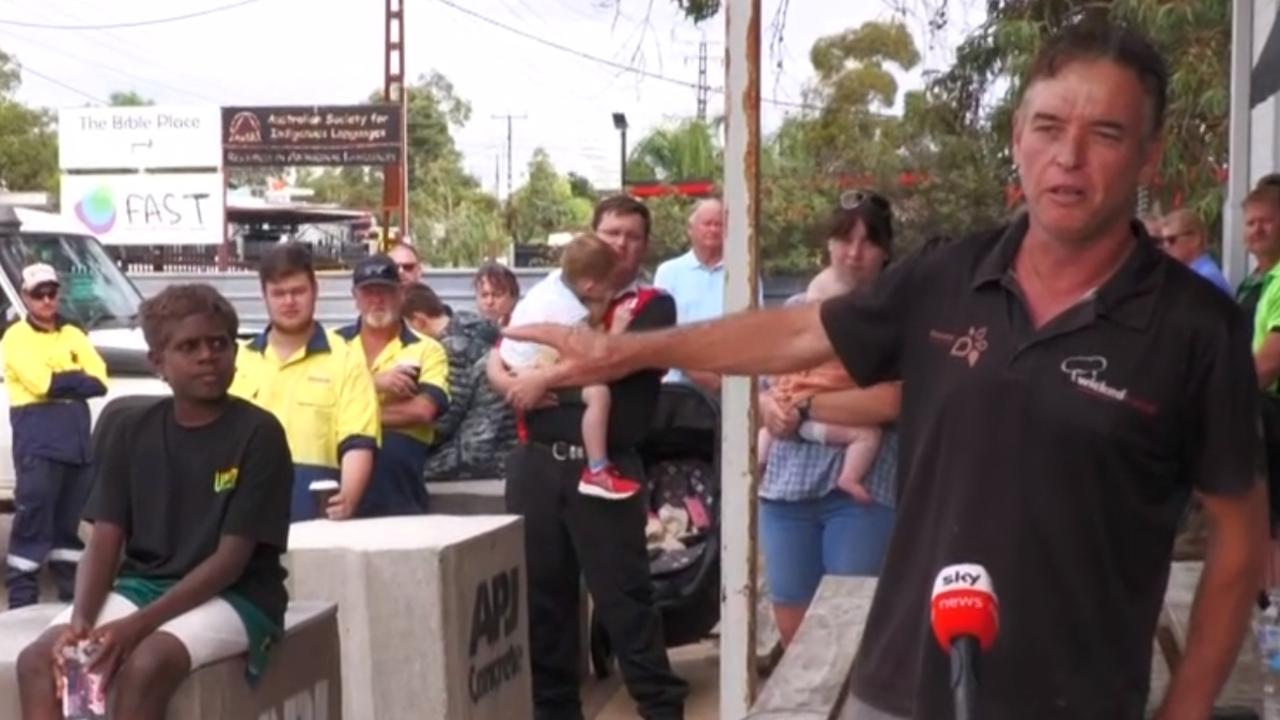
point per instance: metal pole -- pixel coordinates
(1234, 258)
(622, 159)
(738, 422)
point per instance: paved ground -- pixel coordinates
(698, 664)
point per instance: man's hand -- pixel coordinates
(396, 383)
(114, 642)
(341, 506)
(781, 423)
(529, 392)
(587, 357)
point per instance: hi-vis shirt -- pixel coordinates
(410, 348)
(323, 396)
(49, 374)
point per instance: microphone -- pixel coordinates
(965, 616)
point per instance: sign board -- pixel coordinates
(326, 135)
(156, 209)
(134, 138)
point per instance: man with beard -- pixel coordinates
(316, 386)
(410, 374)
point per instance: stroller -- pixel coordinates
(682, 462)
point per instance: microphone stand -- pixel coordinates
(964, 677)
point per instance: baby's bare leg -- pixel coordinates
(595, 424)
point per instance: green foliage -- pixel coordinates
(687, 150)
(28, 139)
(128, 98)
(546, 203)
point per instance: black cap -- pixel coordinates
(375, 270)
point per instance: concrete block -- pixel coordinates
(432, 612)
(302, 682)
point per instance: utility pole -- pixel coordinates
(497, 170)
(395, 177)
(703, 88)
(509, 118)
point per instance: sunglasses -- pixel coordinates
(43, 293)
(407, 267)
(853, 199)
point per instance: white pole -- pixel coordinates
(1235, 260)
(737, 433)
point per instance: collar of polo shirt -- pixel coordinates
(352, 331)
(1128, 296)
(317, 343)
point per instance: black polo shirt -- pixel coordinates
(1060, 459)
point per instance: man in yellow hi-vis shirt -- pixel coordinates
(314, 384)
(411, 374)
(50, 369)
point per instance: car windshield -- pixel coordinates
(95, 294)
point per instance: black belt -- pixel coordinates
(563, 451)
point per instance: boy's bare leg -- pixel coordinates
(37, 678)
(150, 676)
(595, 425)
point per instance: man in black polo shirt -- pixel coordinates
(1066, 387)
(569, 534)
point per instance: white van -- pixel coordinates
(96, 295)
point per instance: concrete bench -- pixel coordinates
(303, 680)
(811, 681)
(433, 619)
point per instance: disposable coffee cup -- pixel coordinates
(409, 368)
(321, 492)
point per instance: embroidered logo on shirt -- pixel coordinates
(225, 480)
(1085, 371)
(968, 347)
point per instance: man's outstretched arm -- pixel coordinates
(748, 343)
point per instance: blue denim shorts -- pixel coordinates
(832, 535)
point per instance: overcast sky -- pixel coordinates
(330, 52)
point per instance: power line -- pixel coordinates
(130, 24)
(605, 61)
(28, 69)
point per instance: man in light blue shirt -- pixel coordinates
(696, 281)
(1182, 235)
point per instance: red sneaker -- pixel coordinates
(607, 484)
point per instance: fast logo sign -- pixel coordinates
(495, 618)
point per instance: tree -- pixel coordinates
(28, 139)
(581, 187)
(545, 203)
(687, 150)
(128, 98)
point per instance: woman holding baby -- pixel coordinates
(828, 450)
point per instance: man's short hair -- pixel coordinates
(1263, 195)
(587, 257)
(1269, 180)
(1103, 40)
(161, 312)
(499, 277)
(621, 205)
(422, 299)
(285, 259)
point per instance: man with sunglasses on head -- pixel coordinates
(50, 370)
(1182, 235)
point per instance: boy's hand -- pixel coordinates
(115, 641)
(70, 637)
(623, 314)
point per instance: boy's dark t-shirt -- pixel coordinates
(176, 491)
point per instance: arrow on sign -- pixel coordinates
(147, 144)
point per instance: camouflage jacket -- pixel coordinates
(475, 433)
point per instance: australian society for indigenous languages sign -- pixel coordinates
(326, 135)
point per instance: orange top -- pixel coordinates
(790, 390)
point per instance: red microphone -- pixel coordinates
(965, 616)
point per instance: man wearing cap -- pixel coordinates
(315, 385)
(410, 374)
(50, 370)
